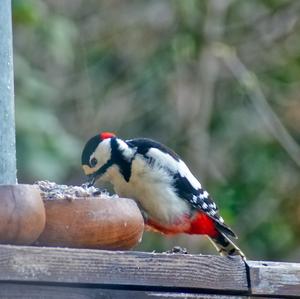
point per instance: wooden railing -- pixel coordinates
(40, 272)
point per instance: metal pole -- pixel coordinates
(8, 172)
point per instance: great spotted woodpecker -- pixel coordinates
(171, 199)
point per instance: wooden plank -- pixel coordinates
(23, 291)
(136, 269)
(275, 279)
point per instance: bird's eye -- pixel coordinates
(93, 162)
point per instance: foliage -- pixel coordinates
(216, 80)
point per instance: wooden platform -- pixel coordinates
(40, 272)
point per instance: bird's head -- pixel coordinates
(96, 156)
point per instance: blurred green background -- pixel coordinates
(218, 81)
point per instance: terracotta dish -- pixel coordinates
(101, 222)
(22, 214)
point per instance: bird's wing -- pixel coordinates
(200, 200)
(185, 184)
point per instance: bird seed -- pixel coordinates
(53, 191)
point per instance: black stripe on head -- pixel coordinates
(119, 159)
(89, 148)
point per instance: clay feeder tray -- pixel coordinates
(86, 217)
(22, 214)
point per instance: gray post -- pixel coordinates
(8, 172)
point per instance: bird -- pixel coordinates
(171, 199)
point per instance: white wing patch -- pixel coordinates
(175, 166)
(204, 205)
(185, 172)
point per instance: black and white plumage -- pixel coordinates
(172, 199)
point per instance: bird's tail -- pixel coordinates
(225, 246)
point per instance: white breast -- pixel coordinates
(151, 188)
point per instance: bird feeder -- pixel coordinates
(87, 217)
(28, 217)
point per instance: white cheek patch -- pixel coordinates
(174, 166)
(103, 152)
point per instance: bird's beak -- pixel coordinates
(91, 174)
(92, 180)
(95, 175)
